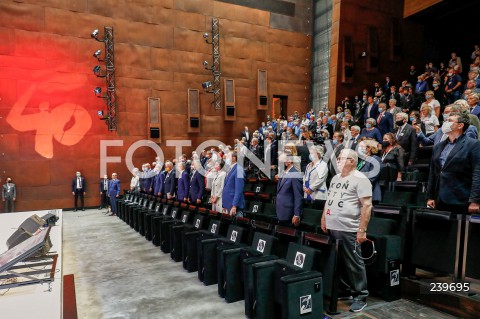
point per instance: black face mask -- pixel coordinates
(399, 123)
(385, 144)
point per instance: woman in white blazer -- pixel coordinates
(315, 178)
(217, 187)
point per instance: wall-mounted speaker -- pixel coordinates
(230, 110)
(194, 122)
(154, 132)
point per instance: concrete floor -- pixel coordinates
(119, 274)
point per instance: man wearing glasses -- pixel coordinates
(346, 216)
(454, 179)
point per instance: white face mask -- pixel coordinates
(362, 151)
(447, 127)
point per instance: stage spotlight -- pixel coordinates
(97, 90)
(97, 69)
(206, 35)
(205, 63)
(100, 113)
(206, 85)
(94, 34)
(97, 53)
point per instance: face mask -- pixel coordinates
(368, 125)
(380, 109)
(365, 92)
(364, 99)
(435, 85)
(447, 127)
(412, 119)
(9, 181)
(362, 152)
(399, 123)
(450, 74)
(335, 142)
(445, 117)
(385, 144)
(428, 96)
(78, 175)
(311, 158)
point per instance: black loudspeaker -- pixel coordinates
(194, 122)
(154, 132)
(230, 110)
(25, 230)
(50, 219)
(263, 100)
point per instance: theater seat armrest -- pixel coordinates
(209, 241)
(307, 275)
(235, 250)
(192, 233)
(259, 259)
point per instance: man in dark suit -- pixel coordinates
(197, 185)
(384, 119)
(247, 135)
(146, 179)
(407, 137)
(183, 183)
(79, 189)
(289, 194)
(170, 180)
(371, 109)
(104, 192)
(355, 132)
(233, 200)
(472, 100)
(454, 179)
(9, 195)
(158, 183)
(113, 193)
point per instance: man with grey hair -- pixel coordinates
(454, 178)
(355, 132)
(346, 216)
(406, 137)
(472, 100)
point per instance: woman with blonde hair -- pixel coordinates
(315, 178)
(428, 119)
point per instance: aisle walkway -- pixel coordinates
(119, 275)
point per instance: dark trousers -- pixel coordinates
(9, 205)
(104, 200)
(352, 268)
(79, 193)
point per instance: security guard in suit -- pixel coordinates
(9, 195)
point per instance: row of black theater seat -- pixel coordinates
(265, 277)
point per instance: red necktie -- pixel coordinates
(380, 118)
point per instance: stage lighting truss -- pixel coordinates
(109, 75)
(215, 85)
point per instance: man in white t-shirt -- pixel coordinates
(346, 216)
